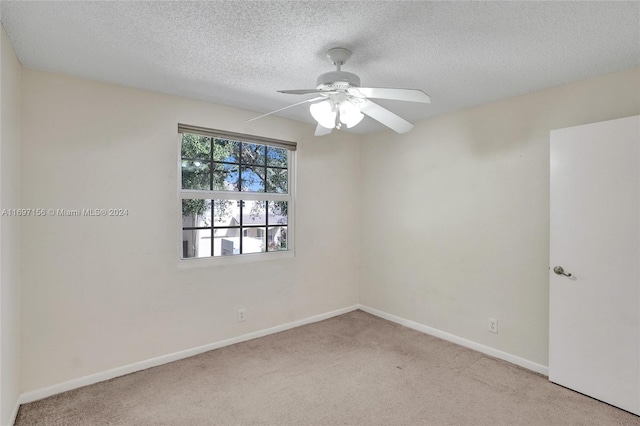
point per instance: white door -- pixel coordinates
(594, 323)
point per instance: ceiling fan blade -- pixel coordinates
(386, 117)
(411, 95)
(301, 92)
(287, 107)
(321, 130)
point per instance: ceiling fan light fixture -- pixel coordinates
(324, 113)
(350, 114)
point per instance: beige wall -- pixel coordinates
(104, 292)
(456, 213)
(446, 226)
(10, 71)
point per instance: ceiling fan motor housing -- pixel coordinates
(337, 80)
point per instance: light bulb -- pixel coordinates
(350, 113)
(324, 113)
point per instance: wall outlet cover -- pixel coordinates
(493, 325)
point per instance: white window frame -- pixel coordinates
(236, 195)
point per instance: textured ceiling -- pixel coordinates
(239, 53)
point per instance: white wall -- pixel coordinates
(104, 292)
(10, 71)
(456, 213)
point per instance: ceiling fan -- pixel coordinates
(341, 100)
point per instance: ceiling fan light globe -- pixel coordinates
(324, 113)
(354, 120)
(350, 114)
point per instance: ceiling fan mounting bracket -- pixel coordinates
(338, 56)
(337, 80)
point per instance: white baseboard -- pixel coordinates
(530, 365)
(12, 417)
(164, 359)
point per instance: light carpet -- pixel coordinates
(354, 369)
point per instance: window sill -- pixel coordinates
(233, 260)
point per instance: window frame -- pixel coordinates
(289, 197)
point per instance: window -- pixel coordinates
(235, 193)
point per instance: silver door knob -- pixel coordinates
(560, 271)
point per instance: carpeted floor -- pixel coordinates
(355, 369)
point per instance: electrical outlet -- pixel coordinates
(241, 315)
(493, 325)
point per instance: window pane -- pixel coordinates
(278, 212)
(226, 242)
(196, 146)
(226, 213)
(277, 238)
(196, 243)
(252, 179)
(195, 174)
(253, 154)
(254, 213)
(253, 240)
(196, 213)
(226, 150)
(276, 157)
(225, 177)
(277, 180)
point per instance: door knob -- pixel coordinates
(560, 271)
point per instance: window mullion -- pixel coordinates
(212, 226)
(213, 207)
(266, 226)
(240, 166)
(211, 164)
(241, 236)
